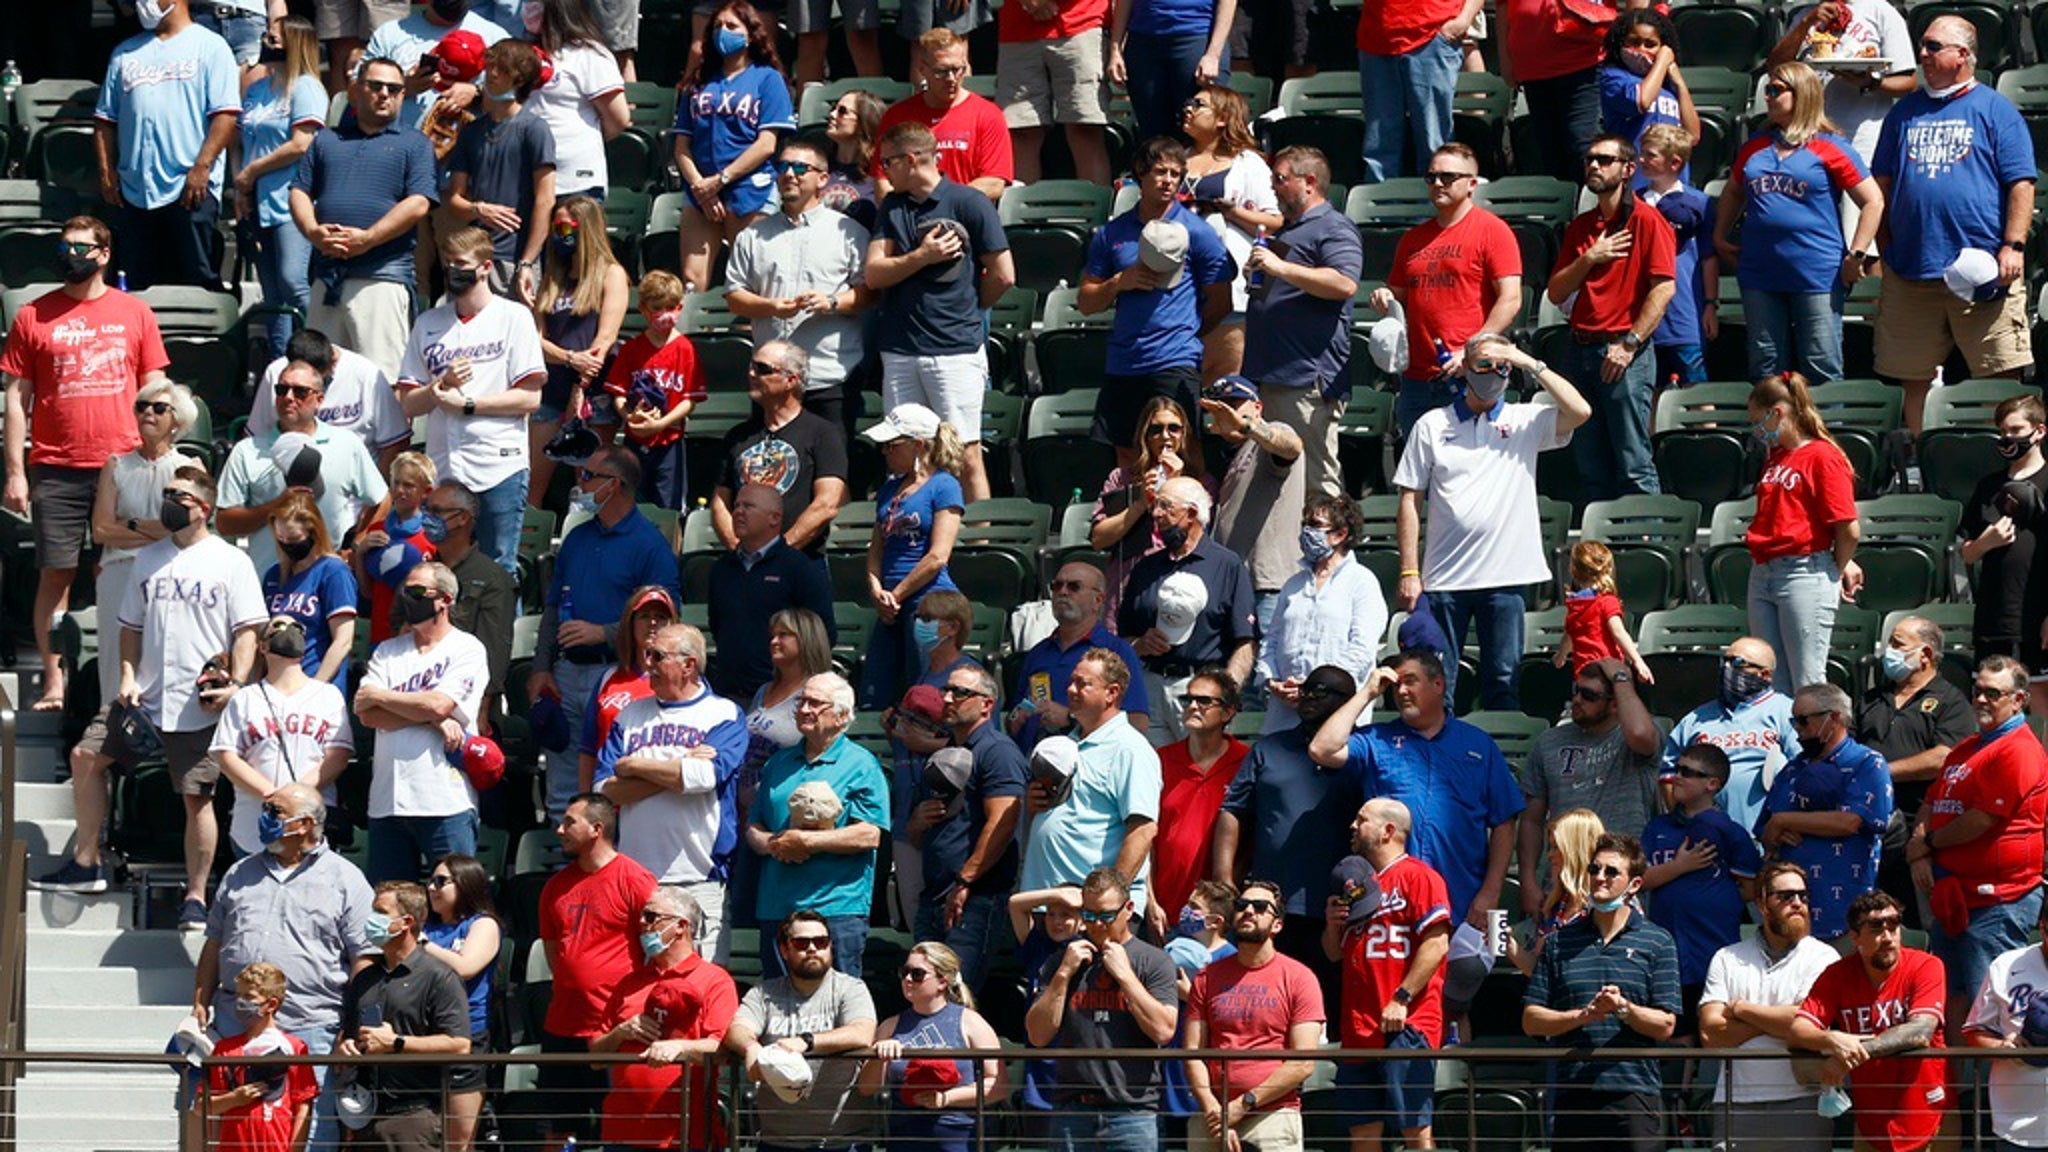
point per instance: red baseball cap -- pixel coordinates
(483, 761)
(460, 56)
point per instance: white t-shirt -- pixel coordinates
(584, 72)
(675, 834)
(187, 603)
(1741, 971)
(349, 483)
(1479, 476)
(503, 348)
(283, 738)
(1875, 29)
(359, 399)
(2019, 1091)
(413, 775)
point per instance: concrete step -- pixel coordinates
(133, 1028)
(94, 987)
(112, 909)
(44, 802)
(38, 744)
(45, 835)
(132, 948)
(68, 1132)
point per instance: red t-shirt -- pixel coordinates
(1376, 957)
(84, 360)
(1251, 1008)
(1800, 498)
(1398, 29)
(1016, 26)
(1613, 292)
(694, 1000)
(1188, 804)
(268, 1124)
(1898, 1100)
(593, 920)
(1448, 275)
(664, 377)
(1585, 625)
(1537, 50)
(973, 139)
(2008, 780)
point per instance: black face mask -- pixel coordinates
(297, 550)
(450, 10)
(76, 269)
(1174, 536)
(270, 53)
(462, 279)
(174, 515)
(1812, 746)
(287, 642)
(2014, 447)
(418, 609)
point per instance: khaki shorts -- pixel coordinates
(355, 19)
(1042, 82)
(193, 768)
(1275, 1131)
(1920, 321)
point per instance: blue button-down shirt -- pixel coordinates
(1048, 667)
(1852, 778)
(595, 575)
(1457, 787)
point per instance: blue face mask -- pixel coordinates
(433, 528)
(583, 501)
(926, 633)
(651, 944)
(1192, 923)
(378, 929)
(1315, 545)
(1896, 666)
(729, 41)
(505, 97)
(269, 828)
(1614, 905)
(1764, 432)
(246, 1010)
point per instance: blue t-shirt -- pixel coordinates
(268, 117)
(1949, 162)
(1458, 788)
(161, 96)
(1047, 668)
(1296, 815)
(1160, 328)
(830, 883)
(314, 596)
(1791, 219)
(450, 936)
(724, 118)
(1294, 339)
(906, 528)
(354, 180)
(1838, 868)
(1691, 216)
(1620, 113)
(937, 310)
(1173, 17)
(1702, 910)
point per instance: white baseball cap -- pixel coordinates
(785, 1073)
(1973, 277)
(1182, 600)
(905, 421)
(1163, 247)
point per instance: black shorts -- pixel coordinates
(62, 500)
(1123, 398)
(573, 1092)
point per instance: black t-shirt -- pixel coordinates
(937, 310)
(1099, 1016)
(2007, 593)
(1937, 714)
(789, 459)
(500, 160)
(420, 997)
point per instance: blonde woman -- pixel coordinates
(936, 1109)
(1572, 836)
(1785, 192)
(124, 516)
(281, 113)
(578, 306)
(917, 519)
(1230, 185)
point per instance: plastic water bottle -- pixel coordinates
(121, 280)
(10, 79)
(1833, 1102)
(1256, 280)
(1074, 497)
(569, 1145)
(1443, 357)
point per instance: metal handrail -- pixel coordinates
(13, 926)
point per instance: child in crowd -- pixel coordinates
(1690, 320)
(251, 1108)
(1702, 865)
(1200, 938)
(1594, 628)
(397, 535)
(657, 383)
(1045, 920)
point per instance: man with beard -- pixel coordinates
(1288, 819)
(1865, 1010)
(1079, 594)
(814, 1010)
(1753, 992)
(1256, 998)
(1827, 810)
(1607, 980)
(1604, 760)
(1748, 721)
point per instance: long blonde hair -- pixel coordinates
(946, 963)
(301, 53)
(944, 452)
(1572, 835)
(1809, 112)
(593, 259)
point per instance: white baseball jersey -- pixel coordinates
(283, 738)
(413, 775)
(2019, 1092)
(502, 347)
(685, 836)
(187, 603)
(359, 399)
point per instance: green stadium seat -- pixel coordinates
(1991, 18)
(1956, 446)
(1060, 456)
(1545, 687)
(1682, 647)
(1479, 118)
(1649, 536)
(1514, 732)
(1700, 440)
(815, 104)
(1069, 352)
(1723, 34)
(1727, 557)
(182, 310)
(1863, 416)
(1365, 435)
(1256, 90)
(1384, 213)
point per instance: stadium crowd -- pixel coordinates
(347, 629)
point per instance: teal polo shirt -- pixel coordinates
(829, 883)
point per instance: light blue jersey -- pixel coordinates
(160, 95)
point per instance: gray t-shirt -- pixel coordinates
(826, 1118)
(1255, 484)
(1569, 767)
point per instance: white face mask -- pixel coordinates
(1937, 93)
(529, 15)
(150, 12)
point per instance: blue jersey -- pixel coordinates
(1757, 737)
(1161, 328)
(1621, 113)
(1838, 868)
(906, 528)
(1949, 162)
(314, 596)
(268, 117)
(1457, 787)
(1702, 910)
(1791, 219)
(724, 118)
(161, 96)
(1691, 216)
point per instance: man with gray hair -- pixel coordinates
(1187, 605)
(828, 870)
(672, 764)
(486, 601)
(422, 693)
(798, 453)
(1827, 809)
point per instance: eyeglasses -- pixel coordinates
(657, 656)
(78, 247)
(1165, 429)
(917, 975)
(444, 511)
(1788, 896)
(1734, 661)
(1935, 47)
(439, 882)
(808, 943)
(794, 168)
(1192, 701)
(1069, 586)
(898, 158)
(295, 391)
(843, 110)
(762, 368)
(159, 407)
(650, 916)
(1605, 872)
(1601, 159)
(1446, 179)
(1696, 774)
(1774, 90)
(1989, 692)
(1108, 917)
(1802, 719)
(586, 475)
(1591, 695)
(1882, 925)
(1255, 905)
(1195, 105)
(384, 87)
(804, 702)
(957, 692)
(276, 810)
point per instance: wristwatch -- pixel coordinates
(398, 1043)
(1631, 341)
(1251, 1100)
(469, 406)
(1402, 996)
(134, 525)
(2019, 246)
(810, 1040)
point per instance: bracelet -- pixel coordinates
(1415, 572)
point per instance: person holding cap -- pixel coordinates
(404, 1002)
(303, 455)
(1189, 604)
(812, 1010)
(1168, 276)
(917, 519)
(1329, 610)
(1956, 165)
(1263, 480)
(442, 53)
(1094, 797)
(285, 728)
(939, 1102)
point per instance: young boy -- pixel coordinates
(1690, 320)
(388, 549)
(1043, 921)
(502, 172)
(1702, 865)
(656, 381)
(256, 1109)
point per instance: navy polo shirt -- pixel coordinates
(929, 314)
(1000, 769)
(354, 180)
(743, 598)
(1227, 620)
(598, 568)
(1048, 667)
(1293, 339)
(1298, 814)
(1642, 961)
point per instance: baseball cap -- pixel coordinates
(1182, 600)
(785, 1073)
(946, 774)
(924, 702)
(1355, 880)
(298, 460)
(1163, 247)
(460, 57)
(481, 760)
(1466, 969)
(1053, 763)
(1190, 956)
(1420, 629)
(574, 444)
(1231, 390)
(1973, 276)
(813, 802)
(927, 1075)
(905, 421)
(953, 269)
(2034, 1029)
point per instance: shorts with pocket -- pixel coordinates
(61, 500)
(1921, 321)
(951, 386)
(193, 768)
(355, 19)
(1041, 82)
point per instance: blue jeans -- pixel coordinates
(972, 939)
(1079, 1130)
(1407, 98)
(1681, 364)
(892, 663)
(1498, 612)
(168, 245)
(849, 940)
(1162, 78)
(1792, 602)
(1795, 331)
(1613, 447)
(282, 256)
(326, 1127)
(577, 682)
(497, 530)
(1415, 398)
(1993, 930)
(1565, 112)
(397, 843)
(242, 30)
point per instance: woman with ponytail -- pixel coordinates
(1803, 540)
(937, 1101)
(917, 519)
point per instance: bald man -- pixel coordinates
(1749, 721)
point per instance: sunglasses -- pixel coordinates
(1069, 586)
(444, 511)
(295, 392)
(1108, 917)
(1935, 47)
(77, 247)
(917, 975)
(1605, 872)
(439, 882)
(657, 656)
(809, 943)
(1580, 691)
(1802, 719)
(1879, 924)
(956, 692)
(762, 368)
(1254, 904)
(1696, 774)
(384, 87)
(1446, 179)
(1981, 692)
(1193, 700)
(586, 475)
(1317, 691)
(794, 168)
(420, 592)
(159, 407)
(1164, 429)
(1601, 159)
(1789, 896)
(843, 110)
(898, 158)
(1773, 91)
(1747, 665)
(277, 811)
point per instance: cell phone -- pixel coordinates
(370, 1016)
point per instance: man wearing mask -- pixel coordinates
(419, 1007)
(1748, 721)
(77, 356)
(1827, 809)
(166, 113)
(422, 694)
(1078, 595)
(486, 601)
(2000, 532)
(1753, 991)
(194, 599)
(601, 561)
(287, 728)
(263, 470)
(1189, 604)
(1913, 719)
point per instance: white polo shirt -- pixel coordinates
(1479, 475)
(821, 251)
(502, 347)
(1741, 971)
